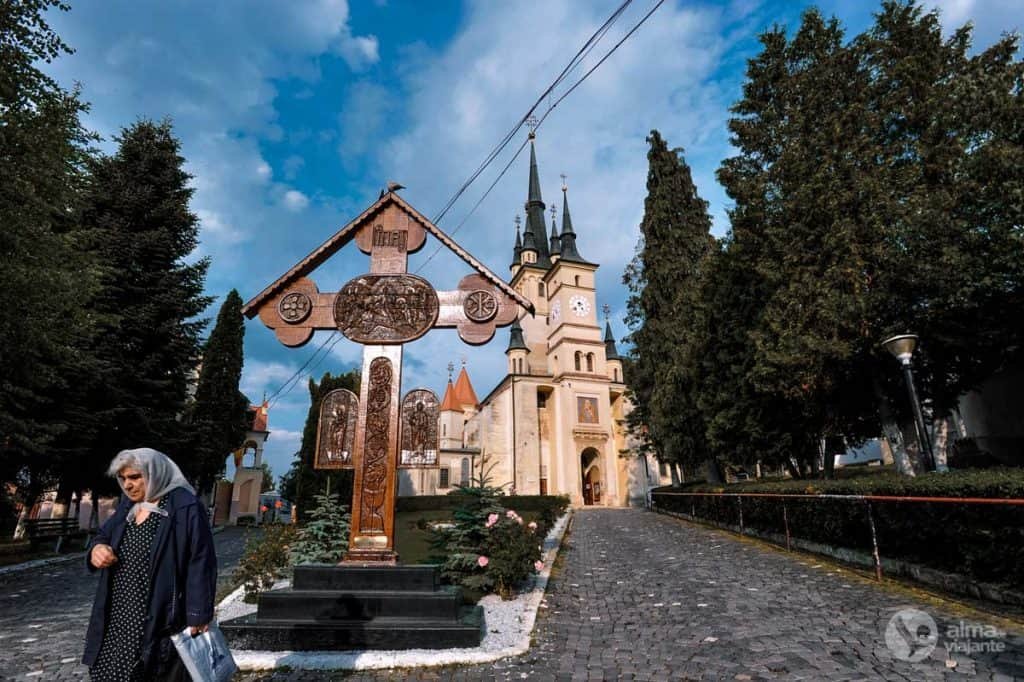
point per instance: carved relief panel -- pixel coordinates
(385, 308)
(336, 432)
(419, 442)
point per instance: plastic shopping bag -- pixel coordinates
(206, 656)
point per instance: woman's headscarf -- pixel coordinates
(161, 473)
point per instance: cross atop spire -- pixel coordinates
(451, 368)
(532, 123)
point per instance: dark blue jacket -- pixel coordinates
(183, 566)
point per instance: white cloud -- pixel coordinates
(295, 200)
(259, 378)
(359, 52)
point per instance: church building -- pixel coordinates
(555, 424)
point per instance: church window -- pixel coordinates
(542, 399)
(443, 480)
(464, 473)
(444, 429)
(579, 360)
(615, 371)
(540, 288)
(590, 362)
(576, 279)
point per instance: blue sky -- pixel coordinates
(293, 115)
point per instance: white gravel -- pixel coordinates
(508, 625)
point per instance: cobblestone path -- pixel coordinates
(44, 613)
(647, 597)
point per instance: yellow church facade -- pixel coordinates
(555, 424)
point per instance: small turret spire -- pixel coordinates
(568, 251)
(556, 243)
(610, 351)
(517, 250)
(515, 338)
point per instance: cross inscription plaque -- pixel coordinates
(382, 310)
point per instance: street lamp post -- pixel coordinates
(902, 347)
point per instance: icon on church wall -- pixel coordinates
(586, 410)
(336, 436)
(419, 443)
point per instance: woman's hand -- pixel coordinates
(196, 629)
(102, 556)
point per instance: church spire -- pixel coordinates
(568, 251)
(535, 212)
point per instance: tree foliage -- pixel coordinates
(324, 537)
(137, 206)
(663, 279)
(46, 274)
(218, 416)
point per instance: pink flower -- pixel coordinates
(539, 565)
(482, 561)
(532, 525)
(491, 520)
(511, 514)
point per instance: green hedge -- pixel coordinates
(521, 503)
(985, 542)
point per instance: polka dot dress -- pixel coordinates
(128, 607)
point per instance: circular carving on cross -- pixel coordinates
(480, 305)
(295, 307)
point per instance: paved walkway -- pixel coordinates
(44, 613)
(647, 597)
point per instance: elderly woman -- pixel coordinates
(158, 572)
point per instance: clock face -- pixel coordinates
(556, 310)
(579, 305)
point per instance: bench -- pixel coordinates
(38, 530)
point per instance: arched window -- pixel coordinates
(464, 473)
(579, 360)
(444, 429)
(616, 373)
(576, 279)
(590, 362)
(540, 288)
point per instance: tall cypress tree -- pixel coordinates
(149, 306)
(45, 274)
(664, 277)
(302, 482)
(218, 415)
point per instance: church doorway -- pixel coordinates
(591, 477)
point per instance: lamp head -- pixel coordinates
(901, 346)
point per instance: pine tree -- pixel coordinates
(218, 415)
(324, 538)
(674, 246)
(46, 274)
(151, 299)
(302, 481)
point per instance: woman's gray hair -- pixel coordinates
(161, 473)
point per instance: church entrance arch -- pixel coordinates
(591, 472)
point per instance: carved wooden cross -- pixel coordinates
(382, 310)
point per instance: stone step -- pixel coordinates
(322, 605)
(380, 633)
(353, 578)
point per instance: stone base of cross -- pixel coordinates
(382, 310)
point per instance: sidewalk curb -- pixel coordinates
(248, 660)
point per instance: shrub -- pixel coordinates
(983, 541)
(265, 560)
(489, 548)
(324, 538)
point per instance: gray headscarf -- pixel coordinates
(161, 473)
